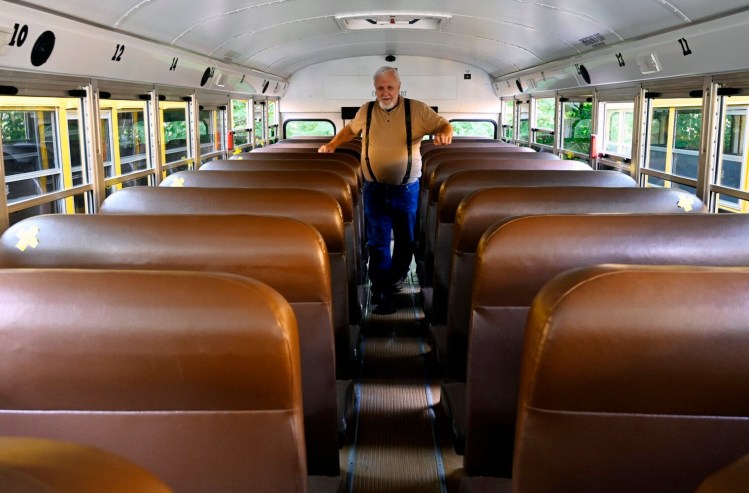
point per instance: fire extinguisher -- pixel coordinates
(593, 147)
(230, 141)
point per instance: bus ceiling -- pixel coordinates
(255, 48)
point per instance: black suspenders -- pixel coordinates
(407, 108)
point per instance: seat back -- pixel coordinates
(430, 151)
(193, 376)
(35, 465)
(351, 175)
(634, 379)
(733, 478)
(322, 181)
(300, 164)
(449, 168)
(490, 205)
(464, 183)
(285, 254)
(516, 258)
(307, 156)
(429, 165)
(310, 147)
(309, 206)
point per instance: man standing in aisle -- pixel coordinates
(392, 130)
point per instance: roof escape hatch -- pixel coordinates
(411, 20)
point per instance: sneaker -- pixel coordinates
(379, 297)
(386, 307)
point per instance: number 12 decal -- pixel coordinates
(118, 53)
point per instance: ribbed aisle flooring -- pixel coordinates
(396, 446)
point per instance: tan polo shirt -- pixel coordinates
(388, 153)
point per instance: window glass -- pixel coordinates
(544, 121)
(31, 148)
(576, 125)
(674, 139)
(174, 137)
(259, 126)
(732, 169)
(132, 136)
(474, 128)
(298, 128)
(241, 121)
(508, 116)
(687, 142)
(239, 113)
(524, 122)
(617, 128)
(210, 131)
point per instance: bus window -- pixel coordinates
(543, 133)
(210, 130)
(674, 141)
(133, 140)
(273, 121)
(474, 128)
(240, 121)
(31, 150)
(77, 151)
(576, 124)
(657, 152)
(508, 116)
(37, 160)
(687, 142)
(732, 169)
(174, 137)
(106, 143)
(303, 127)
(125, 141)
(524, 128)
(618, 128)
(259, 127)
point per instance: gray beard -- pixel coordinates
(388, 107)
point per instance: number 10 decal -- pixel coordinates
(19, 35)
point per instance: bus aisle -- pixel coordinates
(397, 444)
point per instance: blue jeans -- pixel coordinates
(390, 208)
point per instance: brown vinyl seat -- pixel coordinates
(448, 168)
(351, 175)
(436, 157)
(283, 253)
(309, 206)
(734, 478)
(311, 147)
(633, 379)
(429, 150)
(475, 215)
(514, 261)
(430, 190)
(323, 181)
(166, 369)
(308, 156)
(338, 167)
(477, 212)
(463, 183)
(35, 465)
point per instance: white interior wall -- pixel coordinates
(320, 91)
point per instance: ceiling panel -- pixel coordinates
(501, 36)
